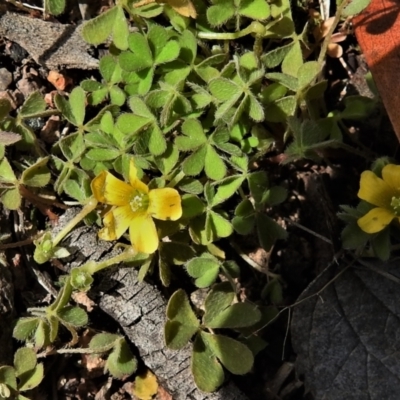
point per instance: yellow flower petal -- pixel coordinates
(143, 234)
(134, 181)
(375, 220)
(165, 204)
(108, 189)
(391, 176)
(375, 190)
(116, 222)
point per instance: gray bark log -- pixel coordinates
(140, 310)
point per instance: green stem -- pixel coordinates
(255, 27)
(92, 268)
(176, 179)
(89, 207)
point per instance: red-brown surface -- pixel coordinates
(378, 33)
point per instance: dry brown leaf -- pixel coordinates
(58, 80)
(146, 386)
(334, 50)
(82, 299)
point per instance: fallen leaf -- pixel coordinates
(346, 337)
(146, 386)
(83, 299)
(59, 81)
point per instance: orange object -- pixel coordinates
(378, 32)
(59, 81)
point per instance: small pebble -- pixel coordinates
(5, 78)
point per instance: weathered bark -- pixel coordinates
(140, 310)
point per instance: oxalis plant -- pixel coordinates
(166, 166)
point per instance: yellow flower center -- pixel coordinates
(139, 202)
(395, 205)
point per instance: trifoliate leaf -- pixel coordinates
(31, 379)
(268, 231)
(219, 298)
(121, 362)
(219, 226)
(204, 270)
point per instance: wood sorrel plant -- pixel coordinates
(179, 123)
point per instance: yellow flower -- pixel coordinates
(135, 206)
(384, 194)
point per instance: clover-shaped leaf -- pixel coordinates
(204, 270)
(223, 10)
(146, 53)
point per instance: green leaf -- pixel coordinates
(286, 80)
(214, 167)
(281, 109)
(204, 270)
(224, 89)
(192, 206)
(11, 199)
(233, 355)
(293, 60)
(254, 9)
(32, 379)
(218, 299)
(355, 7)
(120, 30)
(97, 30)
(274, 57)
(268, 231)
(168, 53)
(194, 136)
(24, 360)
(238, 315)
(6, 172)
(139, 57)
(72, 146)
(307, 73)
(182, 323)
(357, 107)
(102, 154)
(207, 371)
(25, 328)
(221, 12)
(7, 376)
(54, 7)
(168, 160)
(121, 362)
(77, 103)
(103, 342)
(275, 195)
(190, 185)
(218, 225)
(32, 106)
(74, 316)
(37, 175)
(227, 188)
(258, 185)
(194, 164)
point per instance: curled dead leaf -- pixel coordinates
(58, 80)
